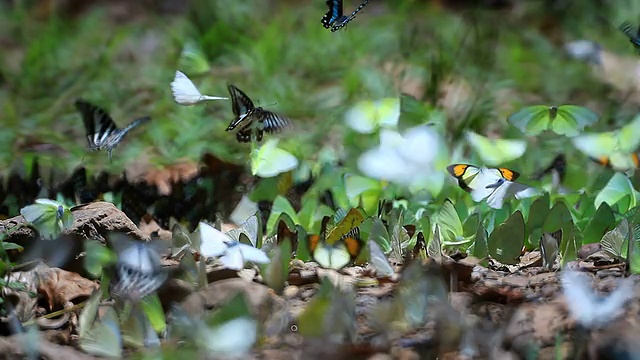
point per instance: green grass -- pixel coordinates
(284, 58)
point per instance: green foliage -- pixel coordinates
(506, 241)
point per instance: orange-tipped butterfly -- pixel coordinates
(492, 185)
(338, 254)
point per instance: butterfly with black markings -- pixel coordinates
(253, 120)
(633, 35)
(102, 132)
(334, 19)
(138, 271)
(490, 185)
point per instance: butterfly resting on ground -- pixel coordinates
(335, 19)
(251, 119)
(102, 132)
(492, 185)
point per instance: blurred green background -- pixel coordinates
(473, 61)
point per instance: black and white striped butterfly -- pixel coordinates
(138, 271)
(102, 132)
(251, 119)
(633, 35)
(335, 19)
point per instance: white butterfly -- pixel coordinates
(379, 261)
(490, 185)
(186, 93)
(269, 160)
(589, 309)
(231, 253)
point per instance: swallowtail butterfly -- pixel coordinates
(334, 18)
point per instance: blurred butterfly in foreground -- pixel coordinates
(251, 119)
(138, 270)
(102, 132)
(615, 149)
(490, 185)
(634, 36)
(186, 93)
(558, 170)
(335, 19)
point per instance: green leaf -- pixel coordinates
(601, 222)
(618, 187)
(506, 241)
(11, 246)
(97, 256)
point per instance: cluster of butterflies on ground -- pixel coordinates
(252, 122)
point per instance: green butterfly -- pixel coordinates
(495, 151)
(612, 148)
(48, 216)
(566, 120)
(269, 160)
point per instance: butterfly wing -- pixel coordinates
(464, 173)
(571, 119)
(628, 139)
(495, 151)
(213, 242)
(531, 120)
(98, 124)
(269, 160)
(241, 104)
(255, 255)
(333, 14)
(184, 91)
(274, 123)
(378, 260)
(232, 258)
(342, 21)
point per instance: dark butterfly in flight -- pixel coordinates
(138, 271)
(633, 35)
(102, 132)
(557, 166)
(251, 119)
(335, 19)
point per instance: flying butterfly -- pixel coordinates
(558, 171)
(251, 119)
(634, 36)
(335, 19)
(102, 132)
(615, 149)
(491, 185)
(338, 254)
(138, 270)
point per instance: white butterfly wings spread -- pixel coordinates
(587, 307)
(232, 254)
(489, 185)
(186, 93)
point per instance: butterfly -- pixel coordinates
(186, 93)
(634, 38)
(48, 216)
(589, 309)
(335, 19)
(492, 185)
(232, 253)
(138, 270)
(253, 119)
(337, 254)
(558, 171)
(612, 148)
(568, 120)
(378, 260)
(102, 132)
(99, 335)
